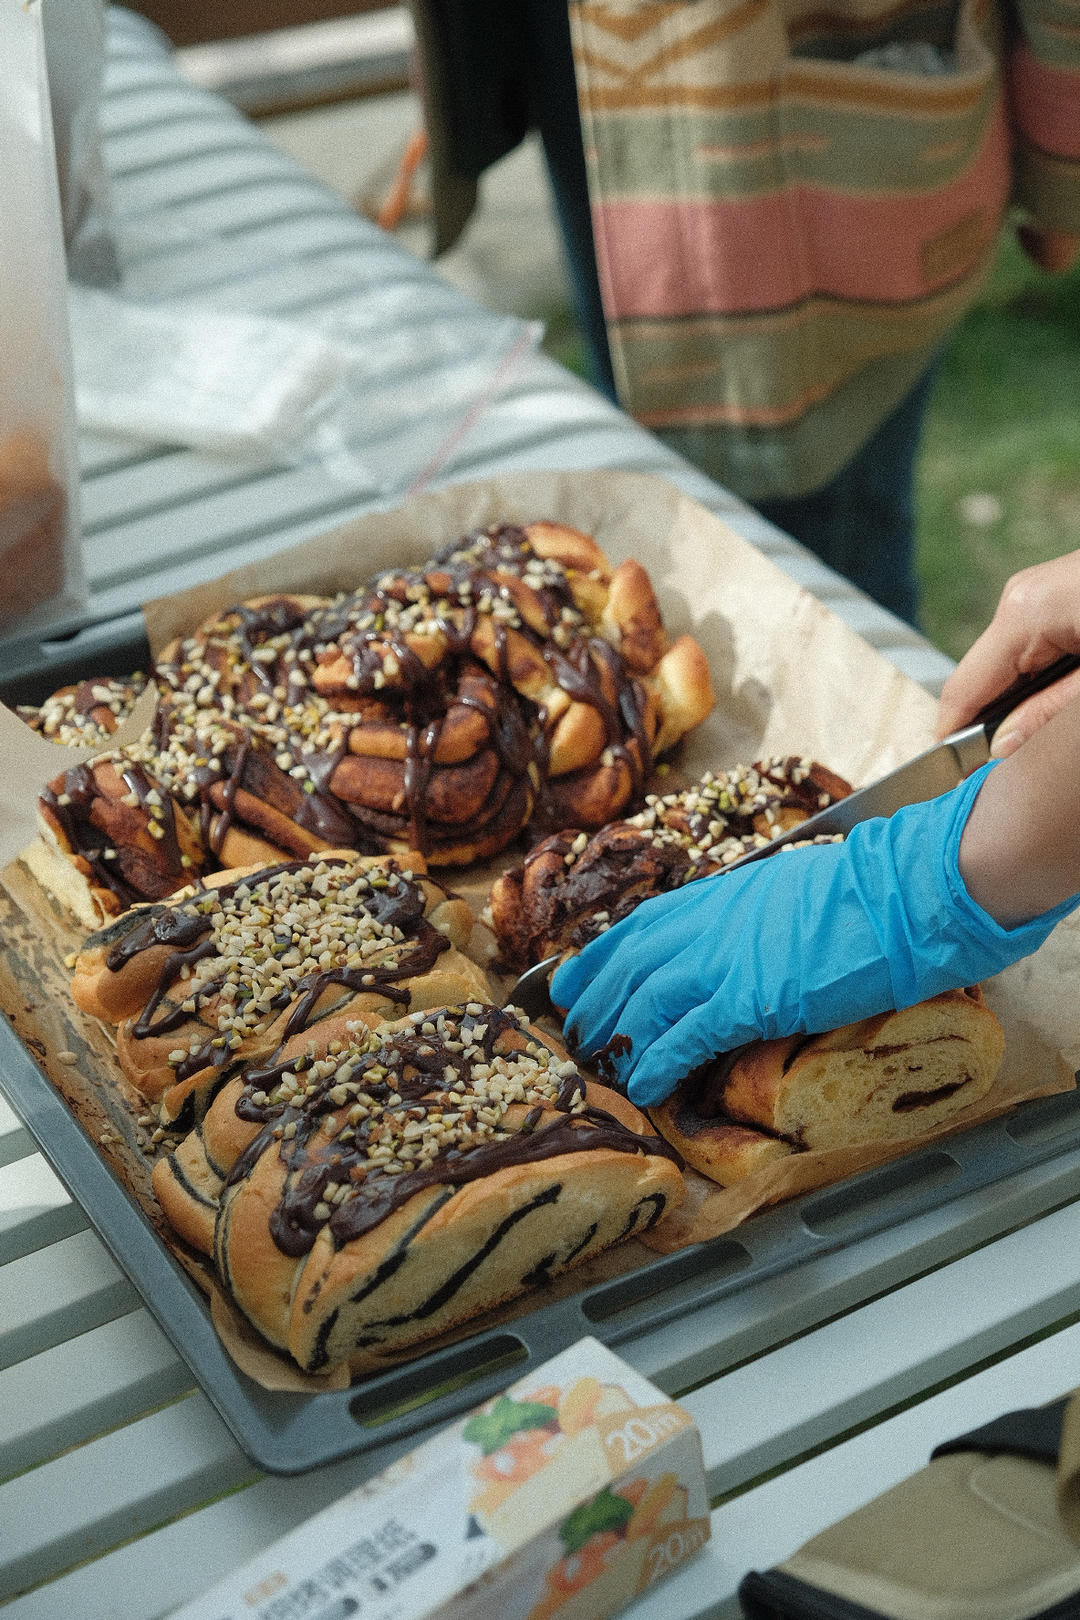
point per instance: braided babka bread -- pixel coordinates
(883, 1079)
(222, 974)
(515, 677)
(87, 712)
(370, 1190)
(571, 886)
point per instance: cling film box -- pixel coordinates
(569, 1495)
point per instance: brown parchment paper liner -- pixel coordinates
(790, 677)
(30, 760)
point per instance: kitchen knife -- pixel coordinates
(934, 771)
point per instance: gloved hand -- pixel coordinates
(802, 941)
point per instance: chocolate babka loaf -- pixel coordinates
(369, 1190)
(87, 712)
(516, 677)
(226, 972)
(572, 886)
(883, 1079)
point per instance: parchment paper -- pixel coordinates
(790, 677)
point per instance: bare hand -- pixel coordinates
(1037, 619)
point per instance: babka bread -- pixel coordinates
(371, 1189)
(571, 886)
(883, 1079)
(86, 713)
(516, 676)
(225, 972)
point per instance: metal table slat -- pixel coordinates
(15, 1140)
(305, 286)
(92, 1383)
(226, 526)
(57, 1293)
(159, 107)
(87, 1500)
(128, 31)
(199, 269)
(216, 175)
(35, 1208)
(922, 1335)
(150, 1577)
(132, 71)
(141, 151)
(162, 481)
(208, 216)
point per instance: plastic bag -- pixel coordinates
(380, 397)
(40, 553)
(75, 60)
(190, 374)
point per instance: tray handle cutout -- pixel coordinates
(444, 1381)
(684, 1280)
(882, 1197)
(1048, 1119)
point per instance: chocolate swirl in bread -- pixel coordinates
(367, 1192)
(570, 887)
(515, 676)
(226, 973)
(883, 1079)
(125, 839)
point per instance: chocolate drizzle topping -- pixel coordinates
(403, 1079)
(190, 929)
(250, 730)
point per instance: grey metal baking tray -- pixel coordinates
(881, 1212)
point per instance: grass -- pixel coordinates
(999, 475)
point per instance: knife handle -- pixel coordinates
(1025, 686)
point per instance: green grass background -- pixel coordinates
(1004, 422)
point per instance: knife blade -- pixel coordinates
(937, 769)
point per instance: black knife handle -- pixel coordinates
(1024, 687)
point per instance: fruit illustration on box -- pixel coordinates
(607, 1543)
(617, 1527)
(551, 1433)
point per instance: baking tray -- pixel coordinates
(31, 667)
(882, 1211)
(682, 1317)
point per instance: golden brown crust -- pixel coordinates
(716, 1148)
(366, 1194)
(438, 708)
(883, 1079)
(125, 839)
(225, 973)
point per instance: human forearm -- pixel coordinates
(1020, 850)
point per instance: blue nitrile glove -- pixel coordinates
(800, 942)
